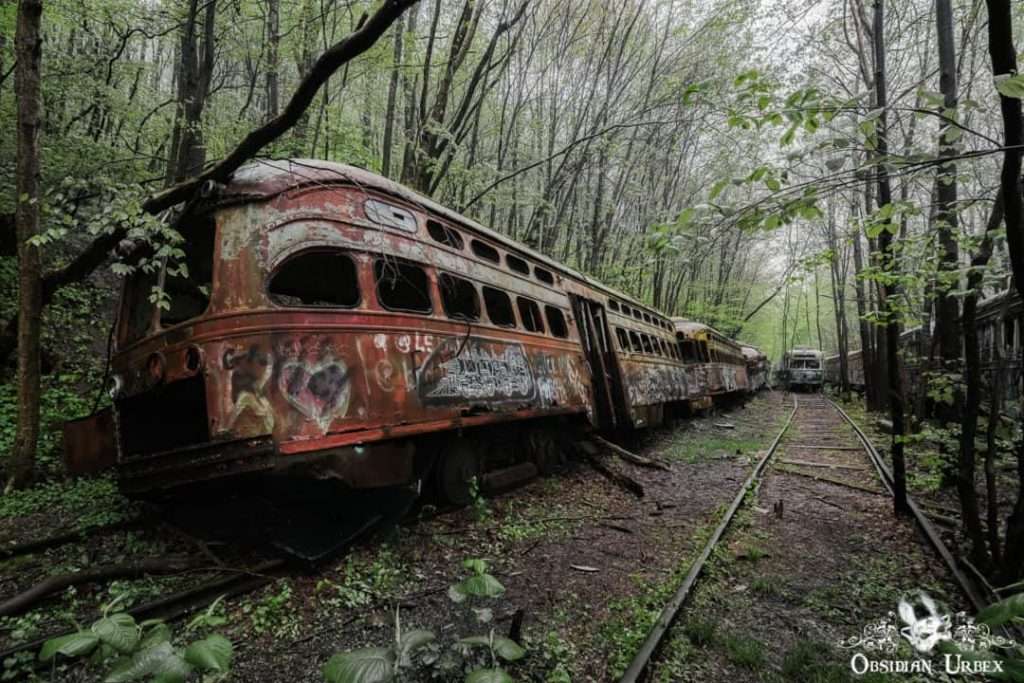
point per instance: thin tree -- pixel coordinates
(888, 289)
(28, 49)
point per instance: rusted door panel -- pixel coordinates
(90, 443)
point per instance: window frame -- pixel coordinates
(360, 296)
(377, 283)
(511, 307)
(563, 324)
(534, 314)
(476, 296)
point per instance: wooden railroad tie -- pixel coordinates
(807, 463)
(824, 448)
(831, 480)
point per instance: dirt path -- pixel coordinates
(807, 566)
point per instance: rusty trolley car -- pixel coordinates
(334, 324)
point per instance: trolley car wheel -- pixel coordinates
(457, 467)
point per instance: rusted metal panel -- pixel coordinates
(90, 443)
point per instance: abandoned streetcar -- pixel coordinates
(332, 324)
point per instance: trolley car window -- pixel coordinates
(613, 304)
(646, 340)
(316, 278)
(647, 318)
(499, 307)
(188, 289)
(544, 276)
(459, 298)
(529, 314)
(440, 232)
(402, 286)
(556, 322)
(517, 264)
(485, 251)
(623, 338)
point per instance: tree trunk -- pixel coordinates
(28, 49)
(273, 58)
(1004, 62)
(889, 292)
(972, 391)
(389, 114)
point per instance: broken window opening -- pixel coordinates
(623, 338)
(459, 298)
(187, 284)
(517, 264)
(441, 233)
(485, 251)
(316, 278)
(499, 307)
(544, 276)
(556, 322)
(402, 286)
(529, 314)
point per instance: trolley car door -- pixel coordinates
(609, 397)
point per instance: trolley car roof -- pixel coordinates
(265, 178)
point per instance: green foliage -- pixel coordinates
(88, 502)
(364, 580)
(272, 613)
(480, 584)
(416, 652)
(131, 651)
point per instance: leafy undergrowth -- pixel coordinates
(82, 503)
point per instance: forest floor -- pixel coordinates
(586, 567)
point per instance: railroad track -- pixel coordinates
(818, 440)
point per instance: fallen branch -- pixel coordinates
(629, 456)
(53, 584)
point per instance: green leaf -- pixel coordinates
(159, 633)
(717, 188)
(72, 645)
(161, 661)
(476, 641)
(369, 665)
(1010, 86)
(475, 565)
(119, 631)
(212, 653)
(412, 641)
(481, 585)
(489, 676)
(1003, 611)
(772, 184)
(508, 649)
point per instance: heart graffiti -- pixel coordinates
(319, 390)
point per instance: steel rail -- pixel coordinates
(966, 584)
(668, 614)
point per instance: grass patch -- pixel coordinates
(743, 651)
(700, 632)
(713, 446)
(767, 587)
